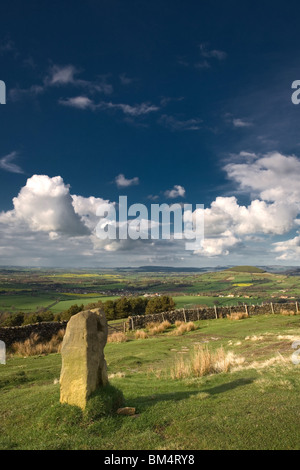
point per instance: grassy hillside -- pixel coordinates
(255, 405)
(246, 269)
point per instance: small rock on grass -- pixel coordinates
(127, 411)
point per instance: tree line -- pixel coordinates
(123, 307)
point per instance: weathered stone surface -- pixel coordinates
(83, 363)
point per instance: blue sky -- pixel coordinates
(171, 101)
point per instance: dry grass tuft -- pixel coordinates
(151, 324)
(184, 328)
(204, 362)
(288, 312)
(117, 337)
(238, 316)
(157, 328)
(140, 334)
(180, 370)
(35, 346)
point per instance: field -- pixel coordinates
(254, 405)
(33, 290)
(188, 301)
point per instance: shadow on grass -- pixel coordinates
(142, 403)
(228, 386)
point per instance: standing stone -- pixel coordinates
(83, 363)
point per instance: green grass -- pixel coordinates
(26, 302)
(247, 409)
(187, 301)
(29, 303)
(246, 269)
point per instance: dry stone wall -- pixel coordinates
(140, 321)
(45, 330)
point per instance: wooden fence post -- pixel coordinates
(216, 312)
(184, 315)
(132, 323)
(297, 307)
(272, 308)
(246, 309)
(198, 315)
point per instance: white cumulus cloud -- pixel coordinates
(274, 177)
(176, 191)
(272, 180)
(45, 209)
(45, 204)
(123, 182)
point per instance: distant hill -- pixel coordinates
(171, 269)
(246, 269)
(289, 272)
